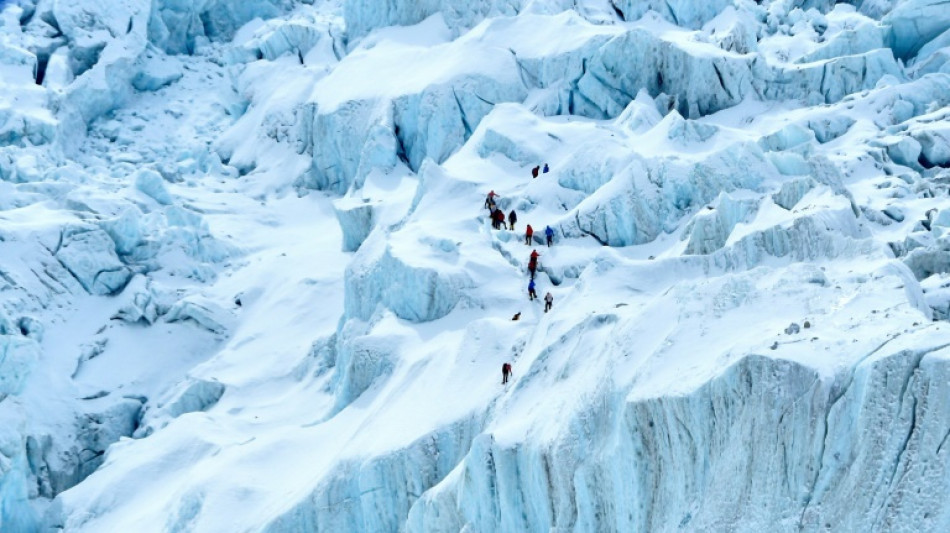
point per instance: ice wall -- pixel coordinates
(815, 445)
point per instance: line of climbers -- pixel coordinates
(534, 171)
(498, 220)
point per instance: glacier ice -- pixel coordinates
(58, 466)
(550, 485)
(712, 165)
(934, 145)
(157, 73)
(710, 228)
(635, 207)
(792, 191)
(152, 185)
(203, 312)
(89, 255)
(363, 16)
(914, 23)
(906, 151)
(189, 396)
(397, 279)
(357, 219)
(177, 27)
(18, 356)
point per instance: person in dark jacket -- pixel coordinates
(548, 302)
(534, 172)
(512, 218)
(505, 373)
(528, 235)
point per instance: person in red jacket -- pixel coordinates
(500, 219)
(505, 373)
(534, 256)
(528, 234)
(490, 201)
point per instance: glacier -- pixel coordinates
(248, 281)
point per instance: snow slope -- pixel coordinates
(248, 281)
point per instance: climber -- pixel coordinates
(534, 172)
(532, 267)
(549, 233)
(546, 169)
(528, 234)
(548, 301)
(512, 218)
(531, 292)
(516, 317)
(490, 200)
(500, 219)
(534, 256)
(505, 373)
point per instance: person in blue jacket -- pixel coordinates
(532, 295)
(549, 233)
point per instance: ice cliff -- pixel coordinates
(248, 281)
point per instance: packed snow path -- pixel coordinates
(247, 282)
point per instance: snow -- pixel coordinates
(248, 283)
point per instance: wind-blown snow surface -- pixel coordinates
(247, 281)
